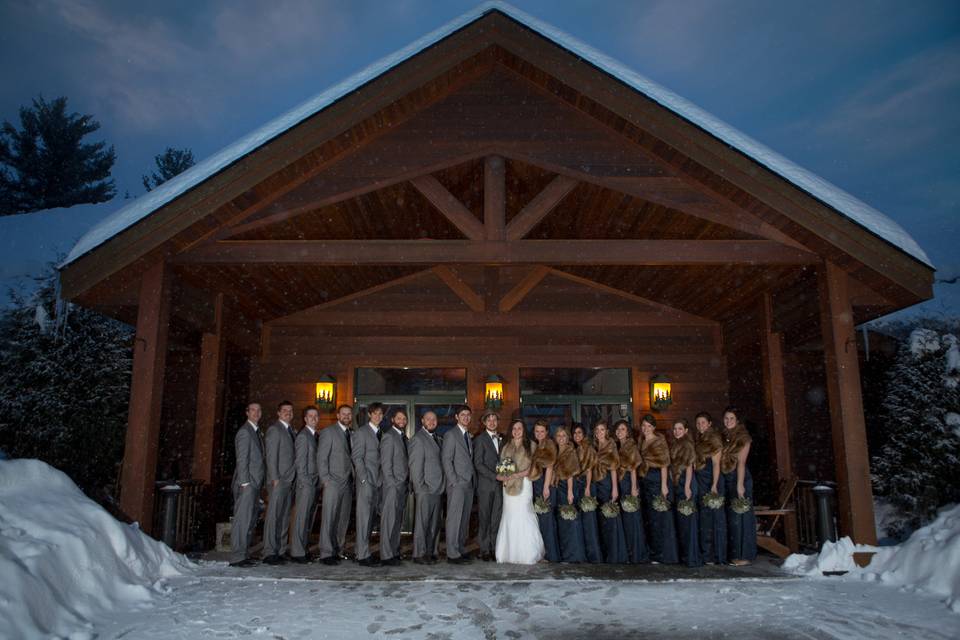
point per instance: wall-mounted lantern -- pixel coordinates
(326, 393)
(493, 396)
(661, 394)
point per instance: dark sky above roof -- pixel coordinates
(865, 94)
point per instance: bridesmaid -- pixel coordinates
(570, 532)
(541, 474)
(661, 537)
(741, 527)
(683, 458)
(582, 486)
(605, 485)
(712, 522)
(627, 470)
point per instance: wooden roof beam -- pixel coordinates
(447, 204)
(470, 297)
(556, 252)
(541, 205)
(529, 282)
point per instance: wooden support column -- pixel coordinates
(511, 397)
(775, 399)
(210, 386)
(476, 379)
(146, 395)
(494, 198)
(846, 406)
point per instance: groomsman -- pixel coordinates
(457, 456)
(247, 483)
(281, 472)
(335, 470)
(366, 468)
(305, 450)
(426, 477)
(486, 455)
(394, 473)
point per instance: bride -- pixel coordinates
(518, 539)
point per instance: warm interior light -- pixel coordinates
(661, 393)
(493, 397)
(326, 392)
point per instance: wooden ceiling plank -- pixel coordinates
(494, 197)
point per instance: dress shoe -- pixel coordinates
(369, 562)
(422, 560)
(487, 557)
(460, 560)
(391, 562)
(330, 561)
(246, 562)
(432, 559)
(274, 560)
(300, 559)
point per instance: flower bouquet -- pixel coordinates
(588, 504)
(686, 507)
(741, 505)
(630, 504)
(610, 509)
(712, 500)
(506, 467)
(568, 512)
(660, 503)
(540, 505)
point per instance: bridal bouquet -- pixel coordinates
(712, 500)
(630, 504)
(540, 505)
(588, 504)
(660, 503)
(686, 507)
(506, 467)
(741, 505)
(610, 509)
(568, 512)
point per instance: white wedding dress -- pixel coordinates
(518, 539)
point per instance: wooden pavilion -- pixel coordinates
(494, 198)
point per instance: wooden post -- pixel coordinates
(494, 198)
(846, 406)
(146, 395)
(775, 399)
(209, 397)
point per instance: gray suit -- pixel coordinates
(489, 489)
(426, 477)
(366, 469)
(247, 483)
(280, 467)
(335, 471)
(457, 456)
(307, 482)
(394, 473)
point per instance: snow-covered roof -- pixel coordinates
(857, 211)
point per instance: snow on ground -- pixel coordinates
(927, 562)
(64, 560)
(220, 603)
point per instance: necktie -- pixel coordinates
(496, 444)
(435, 437)
(346, 434)
(379, 435)
(466, 440)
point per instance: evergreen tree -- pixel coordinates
(46, 164)
(916, 468)
(169, 163)
(64, 387)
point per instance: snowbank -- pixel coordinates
(929, 561)
(63, 559)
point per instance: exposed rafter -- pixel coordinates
(541, 205)
(516, 295)
(463, 290)
(447, 204)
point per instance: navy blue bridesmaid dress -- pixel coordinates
(548, 521)
(611, 530)
(633, 525)
(688, 529)
(588, 521)
(741, 527)
(711, 522)
(569, 532)
(661, 533)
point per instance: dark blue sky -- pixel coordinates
(865, 94)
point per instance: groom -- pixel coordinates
(457, 457)
(486, 455)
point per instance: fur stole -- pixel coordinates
(607, 459)
(521, 458)
(682, 455)
(629, 456)
(545, 455)
(734, 440)
(655, 453)
(587, 456)
(708, 445)
(568, 465)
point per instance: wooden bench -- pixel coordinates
(769, 517)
